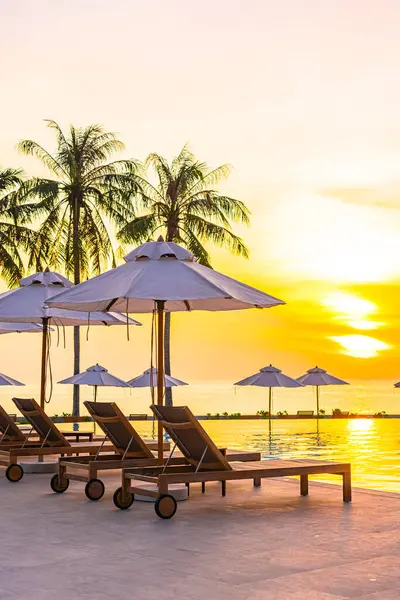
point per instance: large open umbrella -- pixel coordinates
(27, 304)
(162, 277)
(270, 377)
(318, 377)
(96, 376)
(149, 379)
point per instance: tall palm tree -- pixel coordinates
(85, 190)
(185, 207)
(15, 236)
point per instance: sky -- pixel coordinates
(301, 97)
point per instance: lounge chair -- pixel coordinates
(207, 463)
(305, 413)
(51, 442)
(131, 451)
(9, 430)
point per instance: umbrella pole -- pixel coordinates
(95, 393)
(270, 403)
(45, 322)
(317, 401)
(160, 372)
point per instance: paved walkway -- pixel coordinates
(258, 544)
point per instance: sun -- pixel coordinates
(360, 346)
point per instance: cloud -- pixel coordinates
(364, 196)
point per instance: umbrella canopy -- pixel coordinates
(397, 385)
(162, 276)
(26, 304)
(5, 380)
(96, 376)
(149, 379)
(318, 377)
(270, 377)
(20, 328)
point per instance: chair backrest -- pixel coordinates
(190, 437)
(41, 422)
(118, 429)
(9, 430)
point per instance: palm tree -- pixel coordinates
(185, 207)
(85, 189)
(14, 235)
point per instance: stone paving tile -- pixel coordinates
(352, 580)
(393, 594)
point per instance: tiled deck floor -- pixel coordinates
(260, 544)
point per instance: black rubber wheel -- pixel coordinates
(165, 506)
(94, 489)
(119, 502)
(59, 486)
(14, 473)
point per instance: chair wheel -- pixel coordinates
(165, 506)
(94, 489)
(121, 503)
(59, 485)
(14, 473)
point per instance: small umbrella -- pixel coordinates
(5, 380)
(96, 376)
(318, 377)
(149, 379)
(397, 385)
(20, 328)
(270, 377)
(26, 304)
(160, 277)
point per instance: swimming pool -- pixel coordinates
(371, 445)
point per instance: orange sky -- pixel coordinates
(301, 97)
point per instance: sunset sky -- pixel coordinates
(302, 97)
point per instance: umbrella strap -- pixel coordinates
(58, 335)
(127, 319)
(88, 327)
(48, 365)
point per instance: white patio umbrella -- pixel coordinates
(149, 379)
(318, 377)
(270, 377)
(162, 277)
(5, 380)
(96, 376)
(26, 304)
(20, 328)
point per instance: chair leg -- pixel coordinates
(203, 487)
(223, 488)
(188, 488)
(304, 485)
(347, 486)
(257, 482)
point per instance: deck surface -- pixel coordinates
(267, 543)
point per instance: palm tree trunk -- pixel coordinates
(167, 356)
(77, 278)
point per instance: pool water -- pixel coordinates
(372, 446)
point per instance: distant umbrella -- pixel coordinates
(96, 376)
(5, 380)
(20, 328)
(318, 377)
(149, 379)
(397, 385)
(270, 377)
